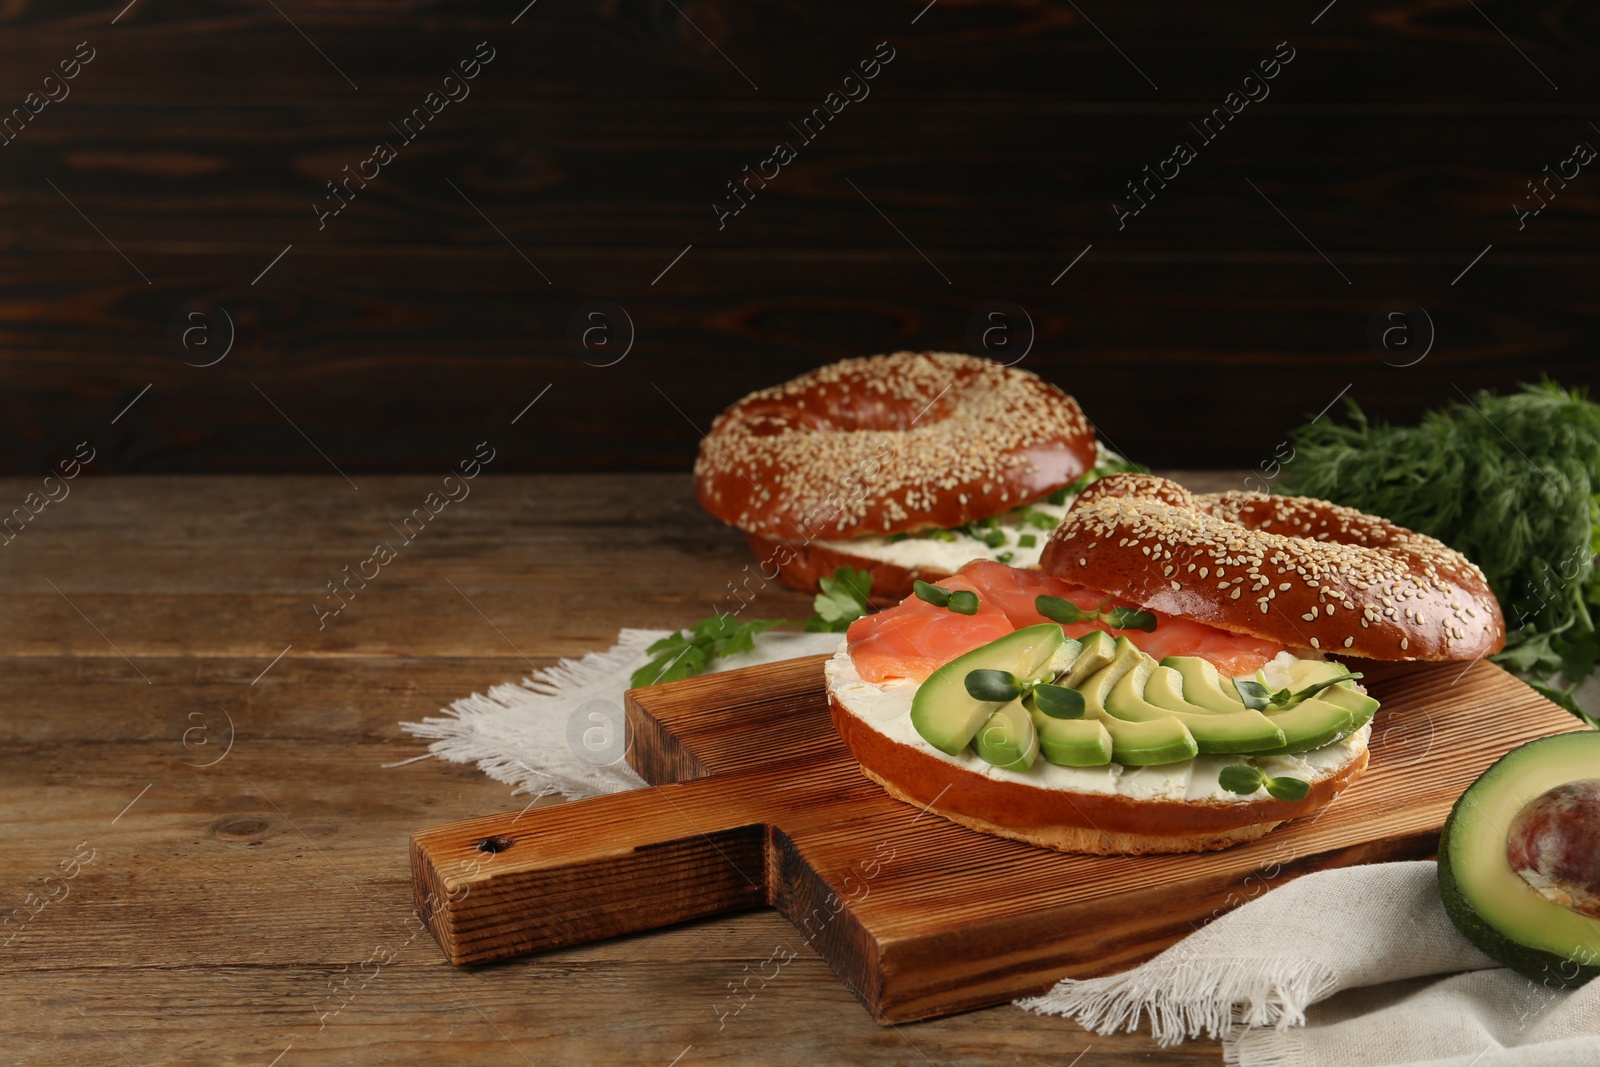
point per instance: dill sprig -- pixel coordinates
(1512, 482)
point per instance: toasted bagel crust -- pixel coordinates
(890, 444)
(800, 565)
(1296, 570)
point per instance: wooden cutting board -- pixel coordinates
(756, 802)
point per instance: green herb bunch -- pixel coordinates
(1512, 482)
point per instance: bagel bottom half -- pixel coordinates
(800, 565)
(1096, 819)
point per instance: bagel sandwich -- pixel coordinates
(905, 466)
(1182, 673)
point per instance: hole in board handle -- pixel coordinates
(494, 844)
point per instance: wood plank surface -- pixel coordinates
(1389, 154)
(228, 907)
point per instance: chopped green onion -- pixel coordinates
(1027, 541)
(1041, 521)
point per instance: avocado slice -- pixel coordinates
(1308, 672)
(1244, 730)
(1007, 738)
(1203, 686)
(1070, 742)
(948, 717)
(1310, 724)
(1134, 744)
(1495, 907)
(1360, 706)
(1097, 649)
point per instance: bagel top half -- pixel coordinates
(1300, 571)
(890, 444)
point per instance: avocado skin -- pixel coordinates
(1553, 971)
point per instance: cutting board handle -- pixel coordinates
(508, 884)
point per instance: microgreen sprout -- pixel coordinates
(1246, 778)
(1059, 609)
(960, 601)
(1257, 696)
(1056, 701)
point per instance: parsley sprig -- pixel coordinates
(686, 653)
(842, 601)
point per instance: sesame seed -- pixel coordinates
(833, 469)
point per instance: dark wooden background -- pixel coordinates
(598, 138)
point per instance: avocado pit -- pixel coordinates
(1554, 845)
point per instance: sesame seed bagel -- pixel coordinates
(890, 444)
(1304, 572)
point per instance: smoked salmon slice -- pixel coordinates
(913, 638)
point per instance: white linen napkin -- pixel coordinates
(1358, 967)
(562, 729)
(1355, 967)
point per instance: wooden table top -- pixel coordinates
(180, 901)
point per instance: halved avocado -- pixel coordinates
(1007, 738)
(1243, 730)
(1070, 742)
(948, 717)
(1203, 685)
(1486, 898)
(1134, 744)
